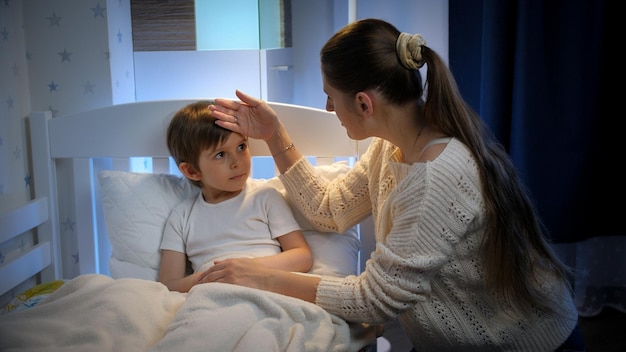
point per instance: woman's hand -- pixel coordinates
(246, 272)
(239, 271)
(251, 117)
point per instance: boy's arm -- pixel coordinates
(172, 271)
(295, 256)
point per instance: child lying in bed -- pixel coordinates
(233, 216)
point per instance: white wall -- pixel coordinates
(196, 74)
(315, 21)
(426, 17)
(185, 74)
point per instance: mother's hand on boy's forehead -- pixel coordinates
(224, 113)
(226, 118)
(227, 104)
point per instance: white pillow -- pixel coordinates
(136, 206)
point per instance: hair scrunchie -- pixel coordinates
(409, 50)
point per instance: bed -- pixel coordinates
(83, 162)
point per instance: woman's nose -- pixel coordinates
(329, 107)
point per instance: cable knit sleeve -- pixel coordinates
(331, 206)
(427, 211)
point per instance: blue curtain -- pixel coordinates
(539, 73)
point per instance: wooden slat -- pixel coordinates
(22, 219)
(84, 202)
(45, 185)
(21, 268)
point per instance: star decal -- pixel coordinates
(88, 87)
(76, 258)
(10, 102)
(53, 86)
(27, 179)
(119, 36)
(16, 70)
(54, 20)
(17, 153)
(68, 225)
(98, 11)
(65, 56)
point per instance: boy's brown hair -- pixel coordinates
(192, 130)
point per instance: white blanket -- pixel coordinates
(97, 313)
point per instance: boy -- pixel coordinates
(233, 216)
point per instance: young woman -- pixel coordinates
(460, 259)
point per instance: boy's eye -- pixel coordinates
(242, 146)
(219, 155)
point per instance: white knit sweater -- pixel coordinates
(426, 269)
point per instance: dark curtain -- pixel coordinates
(539, 73)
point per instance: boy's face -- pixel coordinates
(225, 168)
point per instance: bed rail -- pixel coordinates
(31, 260)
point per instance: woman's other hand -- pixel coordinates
(238, 271)
(247, 272)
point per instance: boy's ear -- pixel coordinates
(189, 171)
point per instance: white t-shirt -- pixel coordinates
(244, 226)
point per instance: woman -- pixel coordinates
(460, 259)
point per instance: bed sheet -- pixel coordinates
(97, 313)
(32, 296)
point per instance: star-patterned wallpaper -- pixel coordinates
(63, 56)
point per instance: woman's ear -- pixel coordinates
(364, 103)
(189, 171)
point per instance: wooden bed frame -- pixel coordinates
(71, 150)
